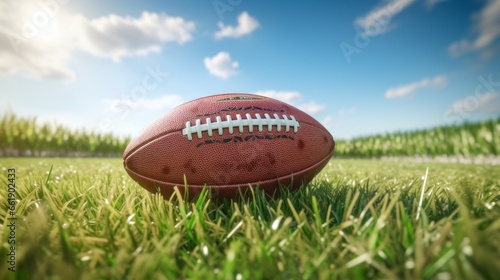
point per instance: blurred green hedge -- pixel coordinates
(21, 136)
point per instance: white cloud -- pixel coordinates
(328, 121)
(143, 104)
(312, 107)
(290, 97)
(410, 89)
(487, 25)
(37, 60)
(377, 21)
(246, 25)
(221, 65)
(39, 39)
(347, 111)
(487, 103)
(335, 125)
(294, 98)
(115, 36)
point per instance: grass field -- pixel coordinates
(359, 219)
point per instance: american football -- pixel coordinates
(229, 143)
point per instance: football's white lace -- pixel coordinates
(240, 123)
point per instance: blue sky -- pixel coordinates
(359, 67)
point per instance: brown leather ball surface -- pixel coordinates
(228, 142)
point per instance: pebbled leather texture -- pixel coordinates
(161, 156)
